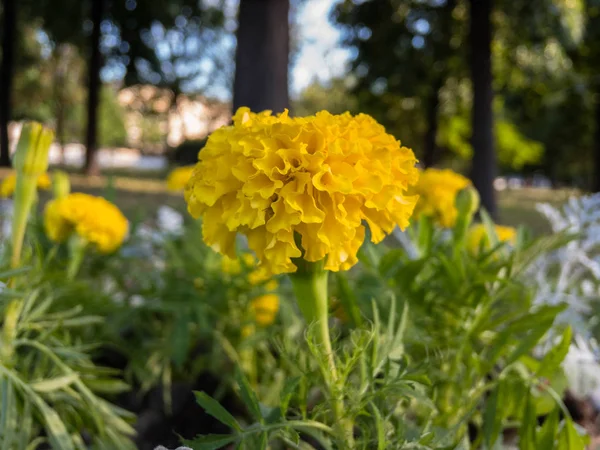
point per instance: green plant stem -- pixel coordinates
(24, 198)
(310, 288)
(77, 248)
(25, 193)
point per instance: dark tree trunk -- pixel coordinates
(483, 171)
(596, 177)
(430, 145)
(95, 64)
(263, 45)
(6, 76)
(551, 165)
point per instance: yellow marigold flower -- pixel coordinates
(94, 219)
(264, 309)
(437, 190)
(273, 178)
(478, 238)
(7, 188)
(178, 178)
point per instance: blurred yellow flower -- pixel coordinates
(247, 330)
(478, 238)
(271, 285)
(258, 276)
(94, 219)
(273, 178)
(264, 309)
(437, 190)
(178, 178)
(7, 188)
(248, 259)
(231, 266)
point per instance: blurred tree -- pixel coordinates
(262, 55)
(333, 97)
(176, 45)
(9, 24)
(68, 68)
(111, 119)
(587, 61)
(405, 50)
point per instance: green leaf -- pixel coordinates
(57, 431)
(210, 441)
(379, 426)
(287, 392)
(214, 408)
(107, 386)
(349, 300)
(527, 436)
(530, 341)
(493, 415)
(248, 396)
(180, 340)
(569, 438)
(551, 362)
(263, 440)
(547, 433)
(54, 384)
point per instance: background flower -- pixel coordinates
(7, 188)
(437, 190)
(478, 237)
(94, 219)
(178, 178)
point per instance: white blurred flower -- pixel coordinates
(136, 301)
(169, 221)
(571, 275)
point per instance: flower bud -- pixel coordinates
(31, 156)
(61, 185)
(467, 202)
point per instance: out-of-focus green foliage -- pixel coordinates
(514, 150)
(334, 97)
(409, 53)
(112, 132)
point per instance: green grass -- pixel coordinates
(517, 207)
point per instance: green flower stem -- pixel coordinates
(25, 194)
(24, 198)
(77, 247)
(310, 288)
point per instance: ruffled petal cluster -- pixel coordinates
(478, 239)
(437, 190)
(7, 188)
(94, 219)
(178, 178)
(301, 187)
